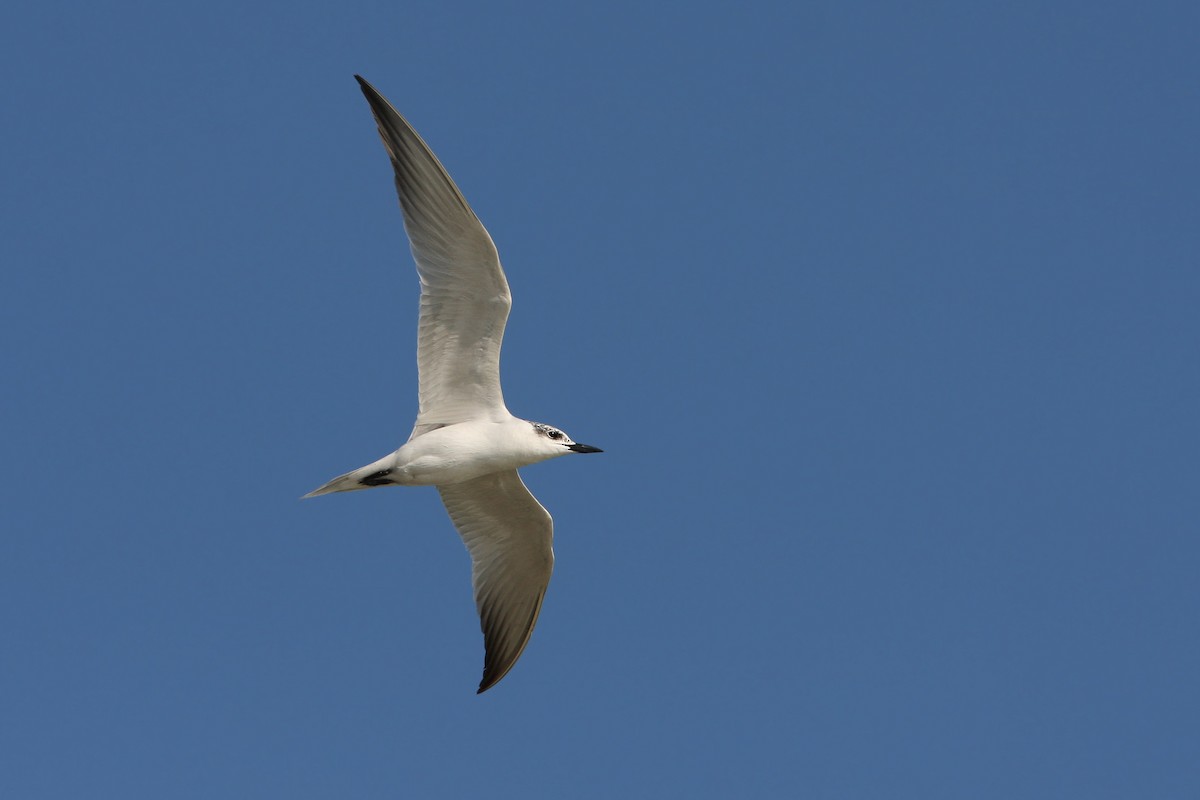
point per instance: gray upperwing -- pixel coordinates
(464, 295)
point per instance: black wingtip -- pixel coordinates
(379, 104)
(488, 682)
(365, 85)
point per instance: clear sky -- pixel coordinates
(887, 317)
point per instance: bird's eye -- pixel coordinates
(555, 434)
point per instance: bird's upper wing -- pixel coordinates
(464, 295)
(509, 536)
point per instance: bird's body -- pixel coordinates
(452, 454)
(465, 442)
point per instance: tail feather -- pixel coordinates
(342, 483)
(368, 477)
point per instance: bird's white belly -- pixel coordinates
(437, 471)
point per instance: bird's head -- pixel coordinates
(555, 442)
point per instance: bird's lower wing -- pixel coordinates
(509, 536)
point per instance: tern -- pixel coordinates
(465, 442)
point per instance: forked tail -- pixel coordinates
(368, 477)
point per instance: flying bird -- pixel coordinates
(465, 442)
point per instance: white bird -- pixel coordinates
(465, 442)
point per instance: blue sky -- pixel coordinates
(886, 318)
